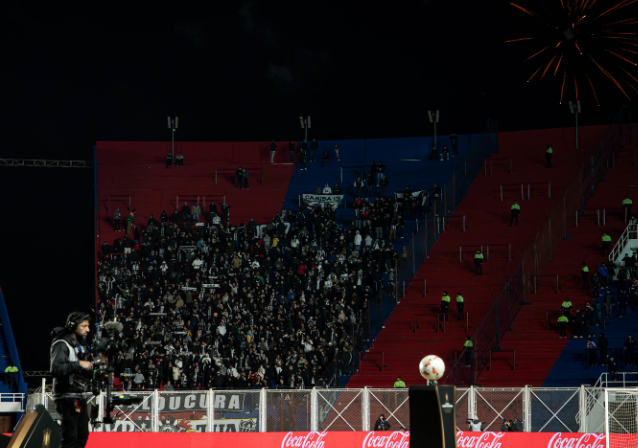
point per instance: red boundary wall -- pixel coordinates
(336, 439)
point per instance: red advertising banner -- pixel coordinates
(335, 439)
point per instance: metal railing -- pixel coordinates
(620, 245)
(568, 409)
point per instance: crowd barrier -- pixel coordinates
(273, 410)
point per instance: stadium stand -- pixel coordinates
(411, 330)
(9, 354)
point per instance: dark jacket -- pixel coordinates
(381, 425)
(69, 379)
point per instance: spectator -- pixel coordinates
(603, 345)
(359, 185)
(454, 141)
(445, 154)
(212, 210)
(609, 303)
(562, 325)
(169, 159)
(169, 387)
(434, 155)
(476, 425)
(548, 156)
(515, 210)
(612, 368)
(313, 150)
(399, 384)
(186, 211)
(291, 151)
(584, 272)
(327, 189)
(371, 181)
(337, 188)
(179, 160)
(239, 178)
(303, 152)
(117, 220)
(246, 186)
(591, 349)
(380, 171)
(603, 272)
(478, 262)
(197, 210)
(626, 205)
(630, 351)
(381, 424)
(273, 147)
(384, 185)
(325, 158)
(337, 153)
(606, 244)
(130, 222)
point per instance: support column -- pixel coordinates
(582, 409)
(210, 411)
(262, 411)
(365, 409)
(314, 410)
(155, 411)
(527, 410)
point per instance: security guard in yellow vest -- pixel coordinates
(468, 348)
(10, 376)
(606, 243)
(562, 325)
(548, 156)
(445, 304)
(566, 306)
(584, 271)
(460, 303)
(626, 205)
(478, 261)
(515, 210)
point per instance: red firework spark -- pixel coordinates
(578, 36)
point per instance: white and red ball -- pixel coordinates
(432, 368)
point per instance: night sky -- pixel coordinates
(235, 71)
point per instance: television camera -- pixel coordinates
(108, 348)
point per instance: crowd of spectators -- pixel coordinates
(236, 306)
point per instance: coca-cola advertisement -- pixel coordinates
(336, 439)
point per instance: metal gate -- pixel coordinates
(340, 409)
(394, 404)
(495, 405)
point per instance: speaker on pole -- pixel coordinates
(433, 416)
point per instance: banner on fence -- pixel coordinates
(323, 199)
(336, 439)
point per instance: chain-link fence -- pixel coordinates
(532, 409)
(540, 253)
(288, 410)
(393, 404)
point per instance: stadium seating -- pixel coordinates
(9, 352)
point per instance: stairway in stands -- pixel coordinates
(560, 362)
(400, 346)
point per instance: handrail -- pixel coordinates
(620, 245)
(416, 321)
(376, 353)
(546, 275)
(441, 317)
(442, 220)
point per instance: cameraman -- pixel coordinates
(71, 367)
(381, 424)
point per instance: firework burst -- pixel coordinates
(578, 40)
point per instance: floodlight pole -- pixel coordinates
(434, 119)
(305, 124)
(575, 110)
(173, 124)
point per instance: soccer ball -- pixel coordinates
(432, 368)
